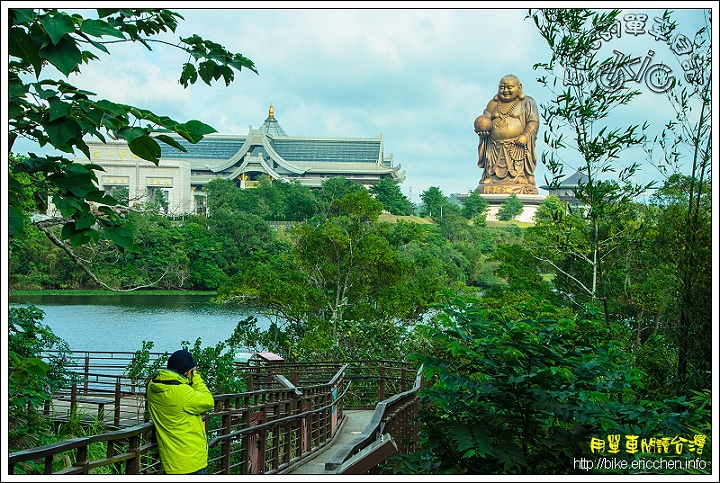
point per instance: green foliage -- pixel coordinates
(214, 363)
(334, 189)
(300, 203)
(689, 137)
(31, 379)
(684, 247)
(475, 206)
(330, 340)
(520, 270)
(517, 385)
(577, 119)
(389, 194)
(55, 113)
(341, 271)
(216, 366)
(433, 200)
(140, 370)
(510, 208)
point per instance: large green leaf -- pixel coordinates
(100, 197)
(172, 142)
(207, 71)
(58, 108)
(146, 147)
(21, 45)
(64, 55)
(78, 237)
(132, 133)
(99, 28)
(67, 207)
(61, 130)
(57, 25)
(16, 221)
(189, 74)
(193, 130)
(122, 236)
(87, 220)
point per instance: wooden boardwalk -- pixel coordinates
(130, 414)
(355, 421)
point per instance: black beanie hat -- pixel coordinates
(181, 361)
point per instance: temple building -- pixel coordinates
(267, 151)
(565, 190)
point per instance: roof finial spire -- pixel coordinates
(271, 113)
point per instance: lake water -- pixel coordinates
(122, 322)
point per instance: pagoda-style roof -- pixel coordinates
(264, 151)
(342, 150)
(213, 149)
(271, 126)
(278, 151)
(572, 181)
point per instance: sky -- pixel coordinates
(419, 76)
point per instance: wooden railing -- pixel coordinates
(127, 451)
(258, 432)
(393, 429)
(291, 411)
(267, 432)
(103, 374)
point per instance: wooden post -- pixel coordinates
(87, 371)
(73, 398)
(381, 396)
(116, 419)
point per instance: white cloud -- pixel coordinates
(419, 76)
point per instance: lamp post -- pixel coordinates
(441, 210)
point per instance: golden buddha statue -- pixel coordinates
(507, 130)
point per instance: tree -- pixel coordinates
(510, 208)
(222, 195)
(433, 200)
(335, 252)
(475, 205)
(684, 236)
(300, 202)
(52, 112)
(333, 189)
(577, 115)
(237, 235)
(389, 194)
(516, 385)
(689, 137)
(32, 380)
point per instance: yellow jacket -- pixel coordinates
(175, 408)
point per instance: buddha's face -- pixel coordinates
(509, 89)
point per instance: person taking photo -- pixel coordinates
(176, 399)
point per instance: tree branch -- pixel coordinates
(582, 285)
(85, 268)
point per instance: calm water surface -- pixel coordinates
(122, 322)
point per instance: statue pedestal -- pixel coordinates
(530, 205)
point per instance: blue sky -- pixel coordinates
(419, 76)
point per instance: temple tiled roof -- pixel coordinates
(329, 150)
(209, 147)
(571, 181)
(269, 149)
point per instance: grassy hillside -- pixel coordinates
(428, 220)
